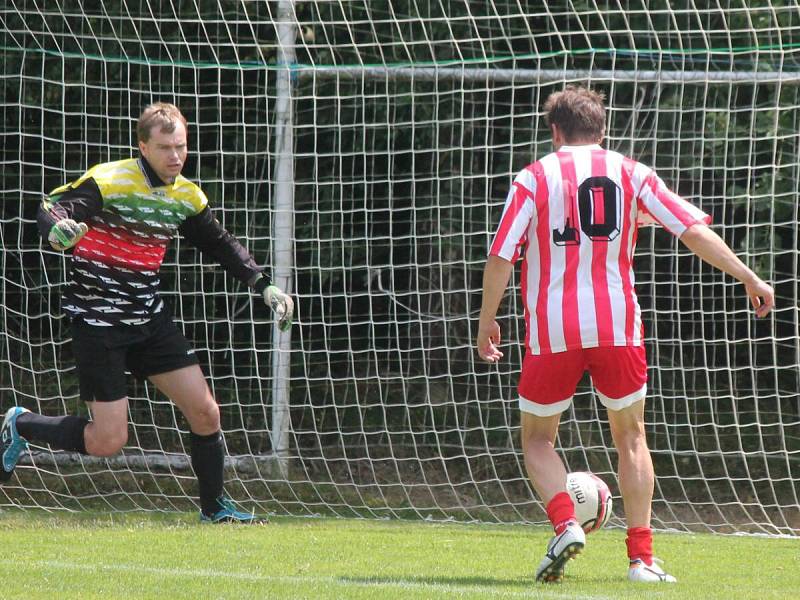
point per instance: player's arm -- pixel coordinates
(62, 216)
(206, 234)
(706, 244)
(495, 280)
(509, 239)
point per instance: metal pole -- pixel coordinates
(467, 73)
(283, 229)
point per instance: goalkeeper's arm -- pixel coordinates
(62, 216)
(205, 233)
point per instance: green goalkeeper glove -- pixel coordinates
(66, 233)
(281, 304)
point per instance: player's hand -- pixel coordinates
(66, 233)
(488, 339)
(762, 296)
(281, 304)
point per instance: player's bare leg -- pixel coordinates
(107, 432)
(549, 476)
(188, 389)
(545, 468)
(636, 482)
(636, 476)
(104, 435)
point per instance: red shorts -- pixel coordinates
(548, 381)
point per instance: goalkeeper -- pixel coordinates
(118, 219)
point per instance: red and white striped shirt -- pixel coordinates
(577, 212)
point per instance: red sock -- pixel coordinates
(640, 544)
(561, 511)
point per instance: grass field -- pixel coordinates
(174, 557)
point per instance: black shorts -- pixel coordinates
(103, 354)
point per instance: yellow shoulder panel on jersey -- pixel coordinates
(118, 177)
(122, 177)
(125, 178)
(188, 193)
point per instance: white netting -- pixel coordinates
(409, 122)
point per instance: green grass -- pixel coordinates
(173, 557)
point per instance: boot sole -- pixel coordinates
(554, 572)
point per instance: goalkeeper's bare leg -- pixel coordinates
(187, 388)
(107, 432)
(104, 435)
(636, 482)
(549, 477)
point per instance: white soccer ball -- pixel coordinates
(592, 499)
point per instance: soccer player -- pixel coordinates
(575, 214)
(118, 219)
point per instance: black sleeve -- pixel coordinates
(206, 234)
(79, 203)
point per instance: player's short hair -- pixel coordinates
(579, 113)
(163, 115)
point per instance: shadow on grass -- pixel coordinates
(481, 583)
(478, 582)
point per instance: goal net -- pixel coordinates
(363, 151)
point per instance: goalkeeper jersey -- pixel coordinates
(132, 216)
(575, 213)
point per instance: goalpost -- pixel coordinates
(363, 151)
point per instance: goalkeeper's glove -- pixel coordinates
(66, 233)
(281, 304)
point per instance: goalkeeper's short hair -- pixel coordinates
(162, 115)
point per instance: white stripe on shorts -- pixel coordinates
(543, 410)
(625, 401)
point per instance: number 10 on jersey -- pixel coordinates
(599, 209)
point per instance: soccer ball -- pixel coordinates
(592, 499)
